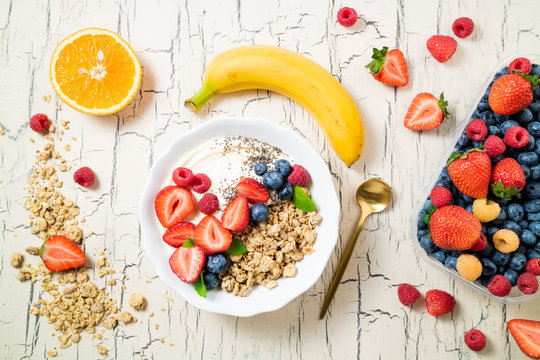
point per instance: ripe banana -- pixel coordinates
(295, 76)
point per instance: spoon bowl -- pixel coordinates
(375, 194)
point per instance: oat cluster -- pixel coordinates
(273, 248)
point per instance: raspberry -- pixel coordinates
(463, 27)
(439, 302)
(347, 16)
(201, 183)
(84, 176)
(480, 244)
(520, 64)
(407, 294)
(475, 340)
(299, 176)
(476, 130)
(516, 137)
(469, 267)
(208, 204)
(499, 286)
(440, 196)
(533, 266)
(494, 146)
(506, 241)
(183, 177)
(39, 123)
(486, 210)
(527, 283)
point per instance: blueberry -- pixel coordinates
(527, 238)
(477, 144)
(518, 261)
(535, 172)
(273, 180)
(523, 224)
(526, 170)
(503, 202)
(533, 217)
(515, 212)
(521, 249)
(483, 105)
(211, 280)
(486, 252)
(284, 167)
(501, 118)
(451, 262)
(537, 247)
(491, 231)
(468, 200)
(511, 275)
(423, 232)
(507, 125)
(537, 148)
(494, 130)
(258, 212)
(286, 191)
(461, 203)
(469, 208)
(532, 205)
(488, 267)
(259, 168)
(427, 204)
(534, 128)
(421, 224)
(488, 118)
(464, 140)
(535, 70)
(532, 254)
(496, 159)
(532, 190)
(531, 144)
(439, 256)
(217, 263)
(534, 107)
(535, 228)
(427, 244)
(528, 158)
(485, 280)
(524, 115)
(499, 258)
(501, 269)
(512, 225)
(501, 217)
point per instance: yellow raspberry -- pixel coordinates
(506, 241)
(485, 210)
(469, 267)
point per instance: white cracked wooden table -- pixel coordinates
(174, 41)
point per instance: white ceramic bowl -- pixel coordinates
(324, 195)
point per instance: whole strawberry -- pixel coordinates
(442, 47)
(470, 172)
(439, 302)
(454, 228)
(507, 179)
(512, 93)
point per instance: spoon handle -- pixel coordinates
(343, 264)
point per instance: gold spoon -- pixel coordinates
(373, 196)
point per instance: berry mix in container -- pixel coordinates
(236, 213)
(481, 219)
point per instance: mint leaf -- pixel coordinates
(302, 201)
(237, 247)
(189, 243)
(200, 288)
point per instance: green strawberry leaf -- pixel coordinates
(426, 218)
(200, 288)
(189, 243)
(378, 60)
(237, 247)
(443, 104)
(453, 157)
(431, 209)
(302, 201)
(499, 190)
(533, 79)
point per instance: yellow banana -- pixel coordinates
(295, 76)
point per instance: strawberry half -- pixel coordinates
(179, 233)
(527, 336)
(426, 112)
(211, 236)
(59, 253)
(471, 172)
(236, 214)
(187, 263)
(253, 190)
(173, 204)
(389, 67)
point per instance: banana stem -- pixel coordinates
(198, 100)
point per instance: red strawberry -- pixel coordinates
(179, 233)
(442, 47)
(173, 204)
(236, 214)
(187, 263)
(454, 228)
(512, 93)
(59, 253)
(212, 236)
(389, 67)
(527, 336)
(507, 178)
(426, 112)
(471, 172)
(439, 302)
(253, 190)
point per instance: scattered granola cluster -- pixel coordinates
(273, 247)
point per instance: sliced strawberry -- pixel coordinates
(253, 190)
(426, 112)
(212, 236)
(236, 214)
(59, 253)
(173, 204)
(527, 336)
(187, 263)
(389, 67)
(179, 233)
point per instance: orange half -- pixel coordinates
(95, 71)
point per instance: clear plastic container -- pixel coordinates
(515, 295)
